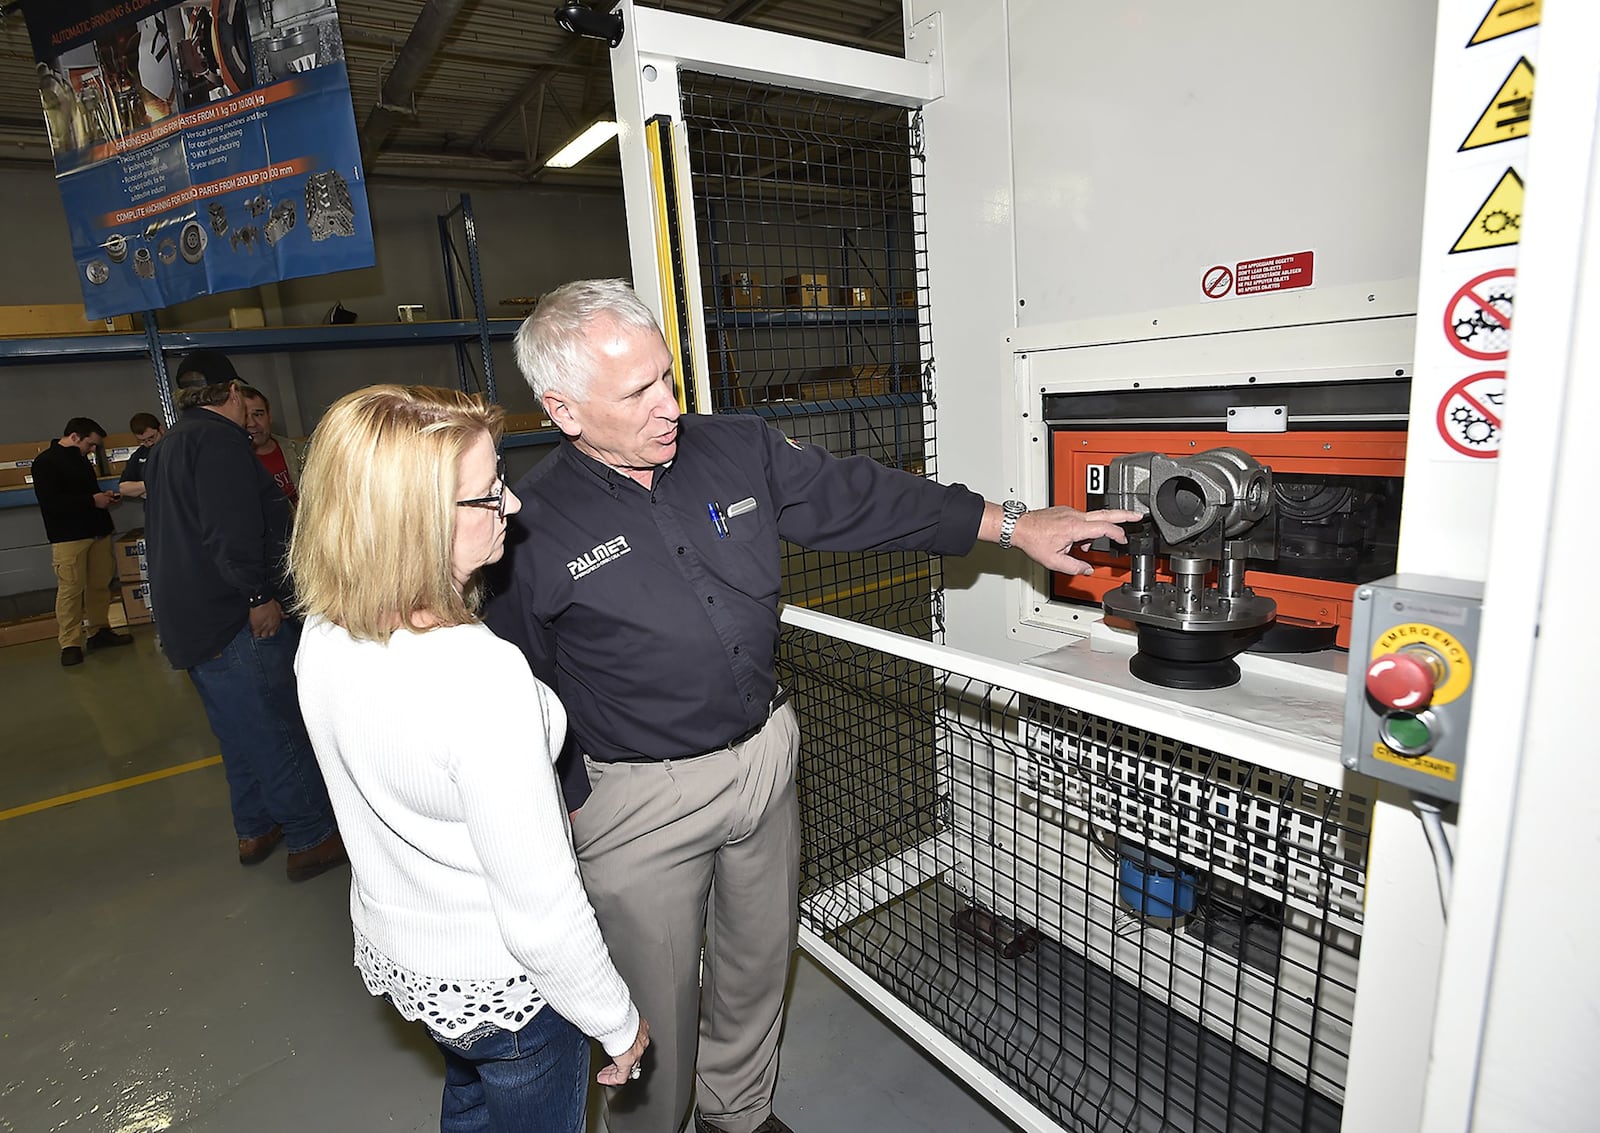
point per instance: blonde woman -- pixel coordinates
(437, 744)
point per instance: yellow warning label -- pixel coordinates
(1498, 221)
(1438, 644)
(1509, 112)
(1505, 17)
(1423, 764)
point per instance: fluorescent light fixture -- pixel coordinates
(583, 145)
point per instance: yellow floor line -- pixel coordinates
(107, 788)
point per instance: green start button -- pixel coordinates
(1409, 734)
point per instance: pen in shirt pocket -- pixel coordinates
(718, 523)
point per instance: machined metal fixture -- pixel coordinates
(116, 247)
(192, 241)
(281, 222)
(1214, 510)
(167, 250)
(97, 272)
(143, 265)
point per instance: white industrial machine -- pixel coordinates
(1168, 845)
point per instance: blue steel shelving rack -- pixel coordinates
(154, 343)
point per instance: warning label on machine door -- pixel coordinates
(1509, 112)
(1275, 273)
(1471, 413)
(1498, 221)
(1477, 321)
(1505, 17)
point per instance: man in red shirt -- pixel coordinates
(275, 452)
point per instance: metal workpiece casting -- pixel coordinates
(1213, 509)
(329, 210)
(281, 222)
(192, 241)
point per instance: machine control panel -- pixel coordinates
(1412, 643)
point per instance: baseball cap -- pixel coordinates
(201, 368)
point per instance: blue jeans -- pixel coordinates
(250, 699)
(535, 1080)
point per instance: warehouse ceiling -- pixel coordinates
(496, 86)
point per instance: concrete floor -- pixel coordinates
(148, 982)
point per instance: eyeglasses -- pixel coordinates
(496, 502)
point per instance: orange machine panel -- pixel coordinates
(1076, 455)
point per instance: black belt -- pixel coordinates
(779, 699)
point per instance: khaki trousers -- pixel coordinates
(683, 852)
(84, 568)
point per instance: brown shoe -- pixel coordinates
(254, 851)
(770, 1125)
(306, 864)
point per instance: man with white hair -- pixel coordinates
(645, 589)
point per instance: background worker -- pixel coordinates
(283, 458)
(216, 531)
(643, 581)
(77, 521)
(147, 429)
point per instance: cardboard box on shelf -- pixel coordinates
(136, 606)
(133, 565)
(830, 383)
(526, 422)
(880, 378)
(242, 318)
(16, 462)
(741, 289)
(21, 455)
(43, 320)
(905, 298)
(24, 630)
(806, 289)
(115, 451)
(860, 296)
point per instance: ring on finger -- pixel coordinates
(636, 1071)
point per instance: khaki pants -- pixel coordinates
(689, 852)
(83, 587)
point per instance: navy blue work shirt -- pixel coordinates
(658, 634)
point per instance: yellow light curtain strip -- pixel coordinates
(107, 788)
(658, 140)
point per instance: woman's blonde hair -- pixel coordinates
(376, 522)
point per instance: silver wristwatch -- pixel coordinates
(1014, 510)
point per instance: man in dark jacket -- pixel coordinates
(216, 527)
(77, 521)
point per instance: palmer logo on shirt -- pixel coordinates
(591, 561)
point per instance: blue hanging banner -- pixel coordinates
(200, 145)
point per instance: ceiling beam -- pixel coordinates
(511, 110)
(394, 100)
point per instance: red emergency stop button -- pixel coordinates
(1404, 680)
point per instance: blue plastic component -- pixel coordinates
(1153, 891)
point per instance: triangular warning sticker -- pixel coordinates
(1498, 221)
(1505, 17)
(1507, 116)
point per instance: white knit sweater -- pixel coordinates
(438, 749)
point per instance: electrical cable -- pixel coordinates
(1439, 845)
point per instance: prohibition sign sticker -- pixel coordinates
(1477, 320)
(1217, 281)
(1470, 414)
